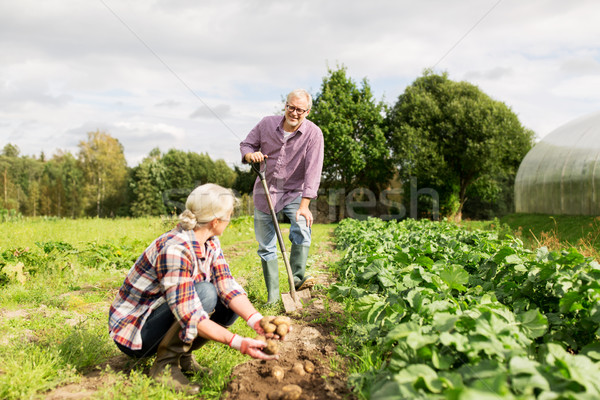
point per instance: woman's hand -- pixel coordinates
(254, 323)
(251, 347)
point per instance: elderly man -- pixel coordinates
(292, 148)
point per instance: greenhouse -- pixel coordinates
(561, 174)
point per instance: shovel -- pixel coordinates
(291, 301)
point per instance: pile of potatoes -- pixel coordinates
(276, 325)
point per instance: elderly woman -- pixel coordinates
(180, 293)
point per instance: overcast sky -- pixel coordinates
(198, 75)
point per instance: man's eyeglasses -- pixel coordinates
(292, 109)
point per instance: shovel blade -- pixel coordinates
(302, 297)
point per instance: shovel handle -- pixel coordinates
(259, 171)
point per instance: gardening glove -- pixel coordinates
(254, 323)
(251, 347)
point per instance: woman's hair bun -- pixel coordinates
(188, 220)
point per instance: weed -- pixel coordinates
(82, 349)
(30, 369)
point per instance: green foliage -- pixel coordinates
(244, 181)
(459, 313)
(100, 184)
(148, 181)
(17, 264)
(455, 139)
(184, 171)
(351, 121)
(9, 215)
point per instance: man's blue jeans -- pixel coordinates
(161, 319)
(264, 230)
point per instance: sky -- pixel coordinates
(198, 75)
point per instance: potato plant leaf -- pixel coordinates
(455, 277)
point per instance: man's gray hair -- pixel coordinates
(300, 93)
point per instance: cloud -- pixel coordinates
(138, 68)
(168, 103)
(492, 74)
(221, 111)
(581, 66)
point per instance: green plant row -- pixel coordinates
(464, 314)
(17, 264)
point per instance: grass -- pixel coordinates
(552, 231)
(57, 280)
(582, 232)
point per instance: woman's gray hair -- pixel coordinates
(206, 203)
(298, 93)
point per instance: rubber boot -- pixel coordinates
(271, 274)
(187, 362)
(170, 350)
(298, 257)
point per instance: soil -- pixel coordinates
(308, 341)
(312, 339)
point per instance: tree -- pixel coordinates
(148, 184)
(61, 191)
(20, 181)
(224, 175)
(6, 183)
(244, 180)
(105, 172)
(26, 174)
(184, 171)
(453, 137)
(72, 180)
(11, 150)
(356, 153)
(9, 159)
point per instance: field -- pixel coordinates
(59, 278)
(437, 311)
(401, 310)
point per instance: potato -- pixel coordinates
(281, 320)
(266, 320)
(270, 328)
(261, 338)
(282, 329)
(291, 392)
(298, 369)
(309, 367)
(272, 347)
(278, 373)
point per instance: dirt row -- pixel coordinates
(313, 340)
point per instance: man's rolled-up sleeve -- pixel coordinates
(252, 142)
(314, 167)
